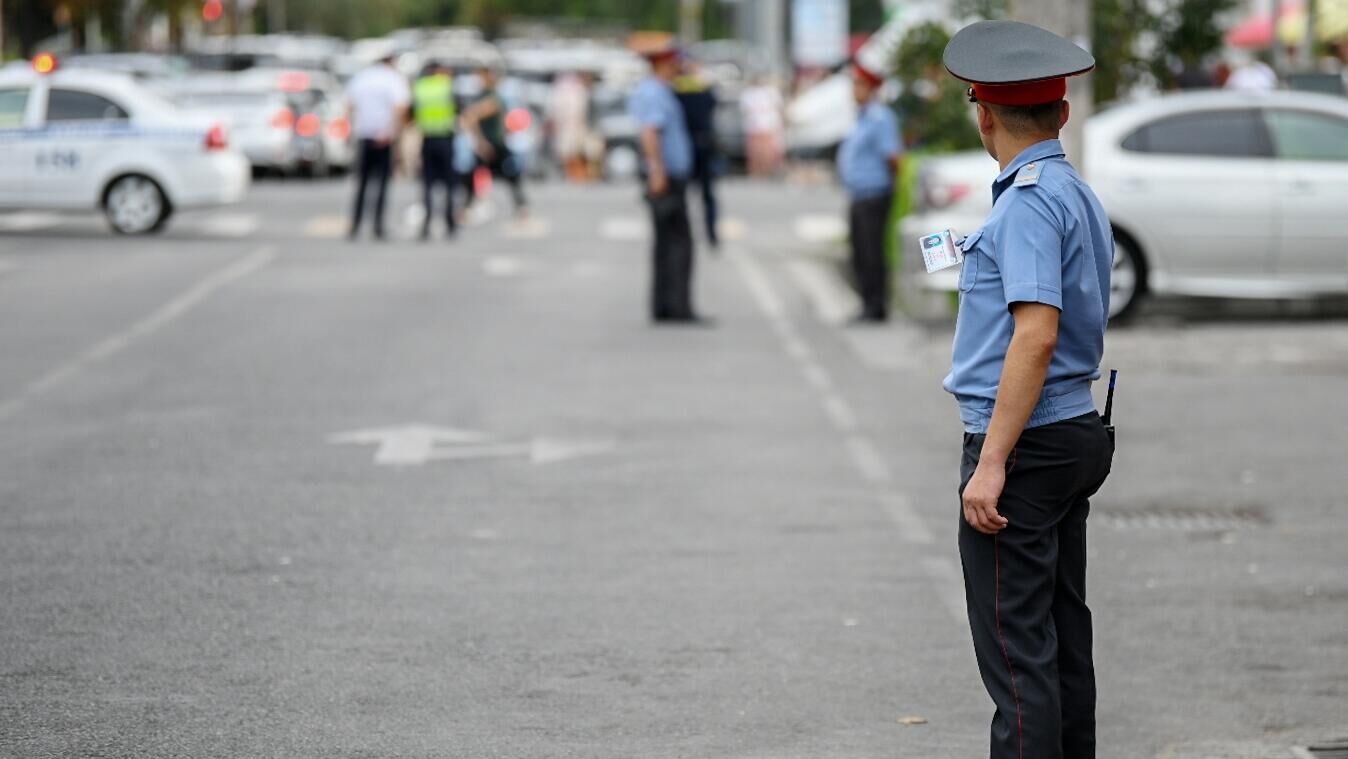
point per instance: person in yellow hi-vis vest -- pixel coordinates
(434, 113)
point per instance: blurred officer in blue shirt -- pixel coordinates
(868, 162)
(667, 163)
(1034, 299)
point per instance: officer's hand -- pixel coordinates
(657, 183)
(980, 499)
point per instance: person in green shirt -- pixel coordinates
(484, 120)
(433, 112)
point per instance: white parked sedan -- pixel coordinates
(80, 139)
(1231, 194)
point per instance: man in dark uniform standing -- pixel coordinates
(667, 153)
(698, 99)
(1034, 300)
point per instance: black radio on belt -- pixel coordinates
(1108, 418)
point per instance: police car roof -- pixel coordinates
(21, 73)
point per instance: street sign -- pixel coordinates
(417, 444)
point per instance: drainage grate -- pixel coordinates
(1331, 750)
(1183, 519)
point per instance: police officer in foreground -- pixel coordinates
(667, 153)
(1034, 299)
(868, 161)
(433, 111)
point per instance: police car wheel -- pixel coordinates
(135, 205)
(1127, 281)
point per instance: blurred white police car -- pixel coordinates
(80, 139)
(1220, 193)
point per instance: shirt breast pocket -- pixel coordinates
(969, 272)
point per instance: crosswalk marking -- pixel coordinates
(832, 300)
(624, 228)
(528, 228)
(819, 228)
(229, 225)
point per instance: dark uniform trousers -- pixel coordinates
(705, 160)
(672, 256)
(868, 219)
(437, 168)
(1026, 591)
(376, 163)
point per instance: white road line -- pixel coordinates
(28, 221)
(911, 526)
(632, 228)
(732, 229)
(868, 460)
(156, 320)
(949, 586)
(530, 228)
(327, 227)
(229, 225)
(502, 266)
(821, 228)
(839, 412)
(832, 301)
(943, 575)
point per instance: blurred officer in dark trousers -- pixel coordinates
(379, 96)
(698, 99)
(433, 112)
(667, 152)
(868, 162)
(1034, 299)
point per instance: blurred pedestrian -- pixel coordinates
(433, 111)
(868, 162)
(379, 97)
(484, 121)
(667, 153)
(569, 114)
(698, 99)
(764, 126)
(1034, 300)
(1253, 75)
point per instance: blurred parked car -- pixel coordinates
(142, 66)
(1229, 194)
(261, 122)
(323, 140)
(82, 139)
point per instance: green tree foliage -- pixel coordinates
(1186, 34)
(933, 105)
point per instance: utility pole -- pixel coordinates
(1070, 19)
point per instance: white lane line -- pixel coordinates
(229, 225)
(529, 228)
(911, 526)
(833, 302)
(817, 376)
(502, 266)
(839, 412)
(868, 460)
(949, 582)
(624, 228)
(820, 228)
(156, 320)
(759, 287)
(327, 227)
(28, 221)
(732, 229)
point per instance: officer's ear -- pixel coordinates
(986, 122)
(1066, 114)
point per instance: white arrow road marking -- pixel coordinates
(538, 451)
(405, 445)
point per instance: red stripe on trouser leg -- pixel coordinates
(1006, 655)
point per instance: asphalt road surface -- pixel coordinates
(268, 493)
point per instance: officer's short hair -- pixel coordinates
(1027, 120)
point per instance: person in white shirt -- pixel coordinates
(379, 98)
(1253, 76)
(761, 112)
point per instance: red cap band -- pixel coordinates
(1029, 93)
(866, 75)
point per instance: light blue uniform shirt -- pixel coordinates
(1047, 240)
(653, 104)
(863, 157)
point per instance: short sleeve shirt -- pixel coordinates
(864, 156)
(654, 104)
(1047, 241)
(377, 94)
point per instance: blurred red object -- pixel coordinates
(217, 138)
(308, 125)
(518, 119)
(339, 128)
(212, 10)
(44, 63)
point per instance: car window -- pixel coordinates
(1308, 136)
(13, 102)
(73, 105)
(1226, 133)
